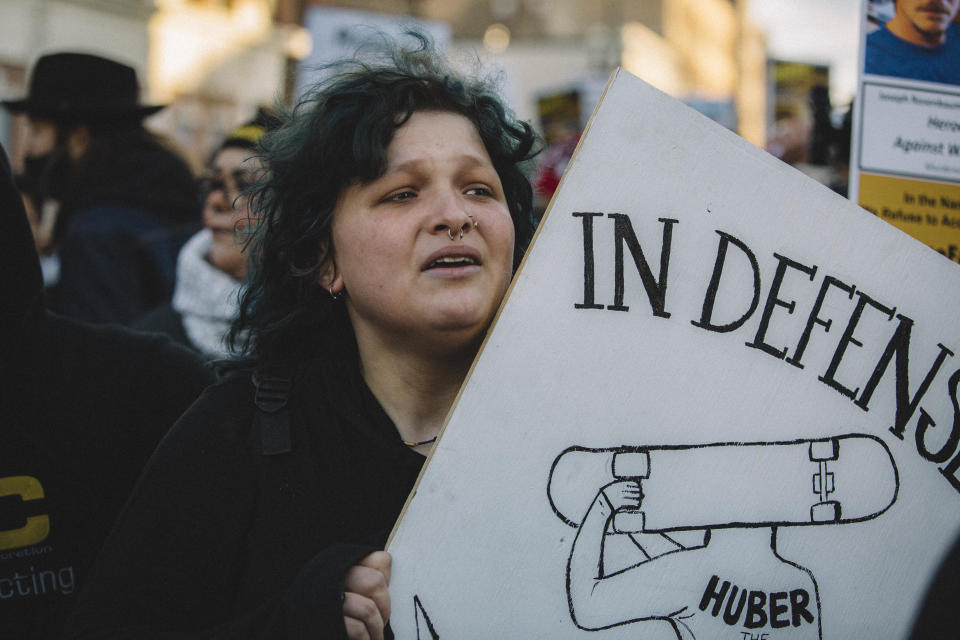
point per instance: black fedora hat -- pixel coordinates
(81, 87)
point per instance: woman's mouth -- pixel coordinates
(452, 260)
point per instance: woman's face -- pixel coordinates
(229, 174)
(414, 266)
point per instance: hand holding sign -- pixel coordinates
(366, 600)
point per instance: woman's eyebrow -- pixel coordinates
(470, 160)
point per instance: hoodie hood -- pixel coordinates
(21, 283)
(146, 175)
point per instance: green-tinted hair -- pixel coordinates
(335, 136)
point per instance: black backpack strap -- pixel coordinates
(272, 418)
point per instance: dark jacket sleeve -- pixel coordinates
(170, 568)
(937, 617)
(165, 320)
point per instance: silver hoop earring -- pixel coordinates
(335, 296)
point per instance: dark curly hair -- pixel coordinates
(337, 135)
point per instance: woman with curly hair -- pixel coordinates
(392, 214)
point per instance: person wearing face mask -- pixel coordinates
(116, 203)
(921, 42)
(392, 212)
(213, 263)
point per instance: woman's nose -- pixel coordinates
(456, 227)
(453, 219)
(218, 200)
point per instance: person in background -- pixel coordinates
(81, 409)
(921, 42)
(394, 210)
(213, 262)
(116, 203)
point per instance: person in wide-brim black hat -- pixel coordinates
(114, 202)
(80, 87)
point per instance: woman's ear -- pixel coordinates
(329, 277)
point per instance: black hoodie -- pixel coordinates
(124, 220)
(81, 409)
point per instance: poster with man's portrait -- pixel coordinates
(905, 156)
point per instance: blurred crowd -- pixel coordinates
(126, 272)
(125, 233)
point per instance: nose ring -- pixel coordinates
(465, 225)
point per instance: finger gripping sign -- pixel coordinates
(719, 402)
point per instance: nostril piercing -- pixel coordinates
(450, 233)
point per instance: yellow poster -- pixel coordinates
(928, 211)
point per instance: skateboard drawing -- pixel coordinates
(634, 557)
(839, 480)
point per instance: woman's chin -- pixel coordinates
(466, 323)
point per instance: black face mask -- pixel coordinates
(33, 169)
(46, 176)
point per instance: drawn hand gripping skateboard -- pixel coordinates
(842, 479)
(737, 489)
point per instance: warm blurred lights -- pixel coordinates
(251, 18)
(496, 38)
(648, 56)
(299, 44)
(188, 40)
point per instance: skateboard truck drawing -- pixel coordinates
(841, 479)
(823, 481)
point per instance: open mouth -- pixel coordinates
(452, 259)
(448, 262)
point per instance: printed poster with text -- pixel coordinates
(906, 138)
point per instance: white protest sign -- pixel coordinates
(720, 402)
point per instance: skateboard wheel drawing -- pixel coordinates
(828, 511)
(825, 450)
(631, 464)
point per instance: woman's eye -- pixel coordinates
(399, 196)
(479, 191)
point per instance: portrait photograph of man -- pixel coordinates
(921, 41)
